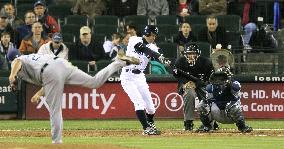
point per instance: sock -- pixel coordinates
(150, 117)
(142, 118)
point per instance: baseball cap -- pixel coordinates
(39, 2)
(13, 53)
(85, 30)
(3, 14)
(57, 37)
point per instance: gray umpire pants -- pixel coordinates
(60, 72)
(189, 104)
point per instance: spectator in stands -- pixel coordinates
(32, 42)
(26, 29)
(123, 8)
(86, 48)
(213, 7)
(152, 8)
(111, 47)
(5, 45)
(188, 7)
(50, 25)
(213, 33)
(249, 21)
(90, 8)
(125, 39)
(185, 36)
(132, 29)
(5, 26)
(12, 18)
(55, 47)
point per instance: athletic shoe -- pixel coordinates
(246, 129)
(215, 126)
(152, 125)
(151, 131)
(128, 59)
(203, 129)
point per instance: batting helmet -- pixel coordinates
(151, 29)
(12, 54)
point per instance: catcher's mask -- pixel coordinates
(191, 53)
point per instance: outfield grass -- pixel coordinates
(202, 141)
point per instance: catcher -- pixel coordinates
(192, 72)
(222, 102)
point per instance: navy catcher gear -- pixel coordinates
(151, 29)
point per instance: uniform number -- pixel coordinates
(35, 57)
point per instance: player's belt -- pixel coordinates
(46, 64)
(135, 71)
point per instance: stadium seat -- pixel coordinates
(195, 28)
(71, 29)
(106, 20)
(205, 48)
(196, 19)
(22, 9)
(136, 20)
(231, 23)
(169, 50)
(106, 30)
(59, 11)
(99, 38)
(166, 19)
(168, 30)
(83, 65)
(234, 39)
(68, 37)
(77, 19)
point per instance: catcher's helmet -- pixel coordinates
(221, 77)
(12, 54)
(150, 29)
(191, 48)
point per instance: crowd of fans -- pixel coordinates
(40, 32)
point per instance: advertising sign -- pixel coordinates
(260, 100)
(8, 98)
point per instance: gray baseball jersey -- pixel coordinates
(52, 73)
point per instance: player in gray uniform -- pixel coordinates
(222, 102)
(134, 82)
(52, 73)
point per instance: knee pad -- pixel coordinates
(203, 108)
(233, 111)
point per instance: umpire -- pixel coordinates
(192, 72)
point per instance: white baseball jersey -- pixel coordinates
(142, 57)
(133, 82)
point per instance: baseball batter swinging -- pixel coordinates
(52, 73)
(134, 82)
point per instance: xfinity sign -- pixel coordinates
(82, 101)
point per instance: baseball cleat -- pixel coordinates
(246, 129)
(203, 129)
(151, 131)
(152, 125)
(128, 59)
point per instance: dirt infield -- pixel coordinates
(60, 146)
(129, 133)
(115, 133)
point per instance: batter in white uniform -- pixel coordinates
(134, 83)
(52, 73)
